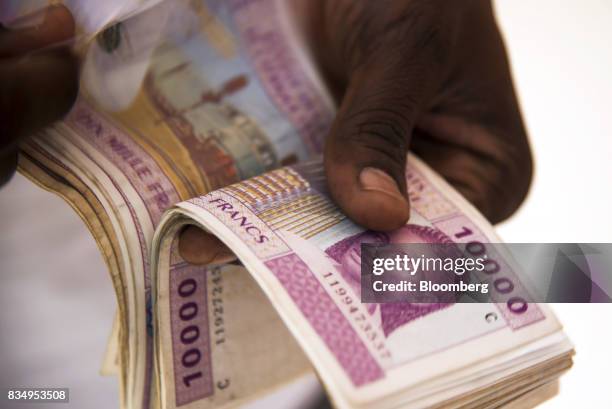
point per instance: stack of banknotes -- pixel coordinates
(211, 113)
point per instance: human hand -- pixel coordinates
(429, 76)
(37, 86)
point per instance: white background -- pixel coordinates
(562, 63)
(56, 301)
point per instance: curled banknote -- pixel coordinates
(90, 17)
(232, 96)
(234, 99)
(304, 255)
(114, 39)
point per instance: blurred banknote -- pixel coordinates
(210, 113)
(91, 16)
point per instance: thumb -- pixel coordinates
(365, 153)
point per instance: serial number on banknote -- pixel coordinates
(217, 315)
(217, 306)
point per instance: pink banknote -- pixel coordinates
(290, 225)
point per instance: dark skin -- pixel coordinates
(429, 76)
(38, 83)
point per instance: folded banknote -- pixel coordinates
(305, 256)
(221, 124)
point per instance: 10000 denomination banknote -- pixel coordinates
(230, 95)
(305, 255)
(231, 100)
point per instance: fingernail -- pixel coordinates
(223, 258)
(377, 180)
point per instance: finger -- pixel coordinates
(492, 172)
(8, 165)
(365, 153)
(35, 91)
(198, 247)
(393, 59)
(57, 26)
(475, 137)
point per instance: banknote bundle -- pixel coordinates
(219, 123)
(304, 255)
